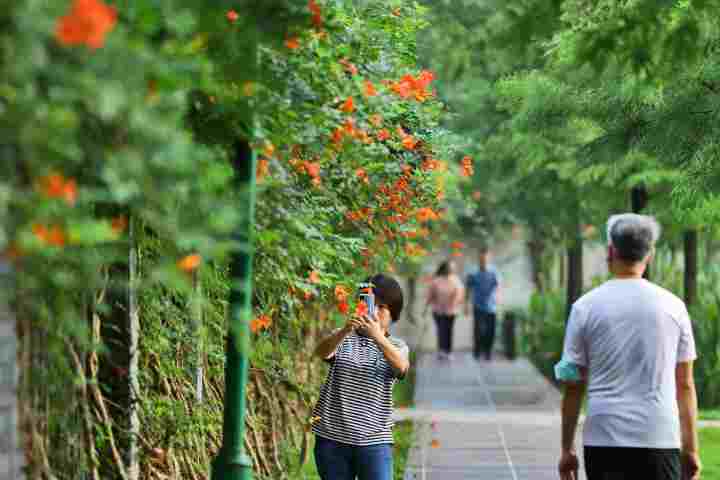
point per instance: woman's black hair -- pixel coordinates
(387, 291)
(444, 269)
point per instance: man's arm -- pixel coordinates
(570, 409)
(574, 353)
(571, 402)
(687, 406)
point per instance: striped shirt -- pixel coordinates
(356, 404)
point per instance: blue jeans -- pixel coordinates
(339, 461)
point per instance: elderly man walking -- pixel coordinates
(630, 343)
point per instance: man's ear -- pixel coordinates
(610, 253)
(650, 256)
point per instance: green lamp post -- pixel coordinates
(231, 462)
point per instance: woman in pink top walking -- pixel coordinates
(445, 296)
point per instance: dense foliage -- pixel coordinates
(120, 124)
(571, 104)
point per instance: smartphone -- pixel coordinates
(367, 295)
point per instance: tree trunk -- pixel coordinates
(639, 199)
(574, 270)
(536, 250)
(196, 314)
(9, 443)
(690, 241)
(412, 295)
(133, 457)
(113, 369)
(711, 246)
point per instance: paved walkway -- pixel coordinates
(493, 421)
(487, 421)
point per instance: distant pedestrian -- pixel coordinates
(630, 343)
(483, 288)
(445, 296)
(354, 412)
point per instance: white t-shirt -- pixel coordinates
(630, 334)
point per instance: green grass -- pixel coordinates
(710, 414)
(710, 453)
(403, 433)
(309, 472)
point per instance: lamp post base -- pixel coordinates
(235, 467)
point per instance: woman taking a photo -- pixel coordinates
(354, 428)
(445, 295)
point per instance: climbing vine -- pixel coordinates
(121, 122)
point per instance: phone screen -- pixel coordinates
(368, 297)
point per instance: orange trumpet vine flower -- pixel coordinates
(189, 263)
(88, 22)
(348, 105)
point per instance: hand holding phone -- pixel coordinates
(367, 296)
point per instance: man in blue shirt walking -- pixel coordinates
(482, 289)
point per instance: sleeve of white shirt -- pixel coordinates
(686, 344)
(574, 348)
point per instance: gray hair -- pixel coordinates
(633, 236)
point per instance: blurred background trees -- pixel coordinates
(576, 110)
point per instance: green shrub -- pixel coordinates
(132, 147)
(705, 315)
(542, 330)
(706, 321)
